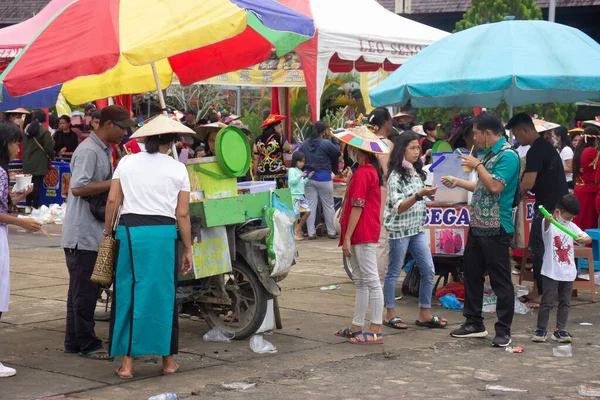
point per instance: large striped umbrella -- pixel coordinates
(94, 49)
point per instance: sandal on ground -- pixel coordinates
(333, 236)
(122, 375)
(67, 351)
(347, 333)
(395, 323)
(533, 304)
(435, 323)
(363, 338)
(312, 237)
(171, 372)
(99, 354)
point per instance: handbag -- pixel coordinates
(410, 286)
(105, 262)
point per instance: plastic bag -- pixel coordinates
(450, 302)
(237, 385)
(410, 286)
(218, 335)
(281, 247)
(261, 346)
(521, 308)
(563, 351)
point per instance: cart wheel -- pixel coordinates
(249, 303)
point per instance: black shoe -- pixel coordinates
(501, 340)
(469, 331)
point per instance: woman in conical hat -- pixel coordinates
(360, 228)
(268, 151)
(154, 191)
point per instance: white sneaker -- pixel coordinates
(5, 372)
(27, 210)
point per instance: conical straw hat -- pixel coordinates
(160, 125)
(404, 118)
(206, 129)
(543, 126)
(362, 138)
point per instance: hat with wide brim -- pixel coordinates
(272, 119)
(363, 139)
(404, 118)
(161, 125)
(592, 122)
(543, 126)
(418, 129)
(576, 130)
(17, 111)
(204, 130)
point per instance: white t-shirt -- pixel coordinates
(151, 183)
(559, 261)
(567, 154)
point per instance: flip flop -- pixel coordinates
(435, 323)
(525, 299)
(123, 376)
(99, 354)
(67, 351)
(172, 372)
(346, 333)
(393, 323)
(312, 237)
(377, 338)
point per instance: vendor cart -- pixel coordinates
(235, 273)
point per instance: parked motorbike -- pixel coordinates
(235, 301)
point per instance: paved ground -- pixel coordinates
(311, 363)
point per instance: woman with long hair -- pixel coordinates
(405, 221)
(562, 143)
(154, 191)
(268, 152)
(585, 164)
(381, 121)
(36, 152)
(360, 227)
(10, 137)
(321, 155)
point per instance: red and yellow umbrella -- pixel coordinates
(95, 49)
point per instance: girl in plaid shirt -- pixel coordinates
(405, 220)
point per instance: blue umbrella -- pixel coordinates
(41, 99)
(522, 62)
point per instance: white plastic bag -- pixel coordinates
(261, 346)
(283, 242)
(218, 335)
(521, 308)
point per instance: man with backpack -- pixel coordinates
(491, 229)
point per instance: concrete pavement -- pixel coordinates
(310, 363)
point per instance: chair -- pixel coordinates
(582, 284)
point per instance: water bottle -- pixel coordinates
(164, 396)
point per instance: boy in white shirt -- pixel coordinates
(558, 268)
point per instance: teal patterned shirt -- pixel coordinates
(492, 212)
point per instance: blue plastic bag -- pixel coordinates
(450, 302)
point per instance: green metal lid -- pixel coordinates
(233, 151)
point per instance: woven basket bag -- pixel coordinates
(105, 262)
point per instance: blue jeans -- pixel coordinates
(419, 248)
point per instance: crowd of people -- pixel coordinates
(382, 159)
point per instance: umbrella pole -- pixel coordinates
(510, 115)
(163, 105)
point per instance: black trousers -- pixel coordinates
(536, 244)
(33, 198)
(491, 254)
(81, 302)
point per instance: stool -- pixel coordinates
(525, 275)
(585, 254)
(583, 263)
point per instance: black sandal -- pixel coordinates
(435, 323)
(393, 323)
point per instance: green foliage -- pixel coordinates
(253, 121)
(488, 11)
